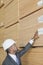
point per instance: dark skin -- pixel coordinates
(35, 37)
(13, 48)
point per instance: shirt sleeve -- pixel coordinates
(31, 41)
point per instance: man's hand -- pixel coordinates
(35, 36)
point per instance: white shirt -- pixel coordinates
(31, 41)
(14, 57)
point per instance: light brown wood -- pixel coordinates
(10, 15)
(8, 2)
(28, 27)
(13, 33)
(1, 37)
(33, 57)
(31, 20)
(2, 55)
(27, 6)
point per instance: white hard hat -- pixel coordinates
(8, 43)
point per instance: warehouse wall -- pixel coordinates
(20, 19)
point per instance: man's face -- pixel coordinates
(13, 48)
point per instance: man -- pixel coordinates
(13, 55)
